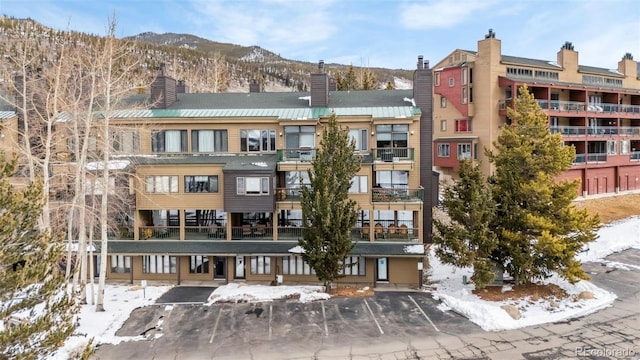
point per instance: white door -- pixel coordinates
(383, 270)
(239, 267)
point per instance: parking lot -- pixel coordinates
(197, 331)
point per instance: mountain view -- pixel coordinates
(206, 65)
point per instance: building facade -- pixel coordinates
(596, 110)
(212, 182)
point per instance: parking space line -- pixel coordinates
(423, 313)
(270, 316)
(373, 316)
(215, 327)
(324, 317)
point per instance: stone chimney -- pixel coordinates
(320, 87)
(628, 66)
(182, 87)
(163, 90)
(254, 86)
(423, 98)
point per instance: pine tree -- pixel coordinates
(36, 313)
(468, 240)
(328, 214)
(389, 86)
(539, 230)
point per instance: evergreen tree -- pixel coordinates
(468, 240)
(368, 81)
(348, 81)
(36, 313)
(539, 230)
(389, 86)
(328, 214)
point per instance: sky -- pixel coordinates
(372, 33)
(447, 287)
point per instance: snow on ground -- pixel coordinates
(121, 300)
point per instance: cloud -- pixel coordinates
(440, 13)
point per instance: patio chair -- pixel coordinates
(246, 230)
(393, 230)
(365, 231)
(379, 231)
(260, 230)
(403, 231)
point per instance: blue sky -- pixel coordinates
(374, 33)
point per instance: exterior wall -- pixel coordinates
(404, 271)
(600, 181)
(629, 177)
(246, 203)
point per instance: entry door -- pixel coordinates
(382, 270)
(239, 267)
(220, 264)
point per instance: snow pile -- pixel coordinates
(239, 292)
(612, 238)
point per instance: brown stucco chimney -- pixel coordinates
(163, 90)
(429, 179)
(320, 87)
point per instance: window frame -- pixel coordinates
(461, 147)
(452, 81)
(260, 265)
(198, 261)
(363, 139)
(212, 182)
(223, 147)
(160, 259)
(444, 150)
(153, 186)
(357, 268)
(443, 125)
(266, 140)
(300, 267)
(463, 129)
(159, 141)
(118, 139)
(443, 101)
(359, 185)
(241, 185)
(125, 260)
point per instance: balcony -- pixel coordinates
(596, 130)
(288, 194)
(251, 232)
(159, 232)
(579, 106)
(212, 232)
(392, 154)
(303, 154)
(590, 158)
(396, 194)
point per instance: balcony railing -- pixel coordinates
(160, 232)
(288, 194)
(590, 158)
(289, 232)
(578, 106)
(596, 130)
(392, 154)
(303, 154)
(251, 232)
(212, 232)
(396, 195)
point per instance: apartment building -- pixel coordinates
(212, 182)
(596, 110)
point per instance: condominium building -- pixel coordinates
(596, 110)
(213, 182)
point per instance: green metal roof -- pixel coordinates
(280, 114)
(7, 114)
(236, 247)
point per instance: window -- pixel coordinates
(470, 94)
(126, 142)
(519, 72)
(201, 184)
(611, 147)
(443, 125)
(198, 264)
(464, 151)
(444, 150)
(392, 179)
(464, 95)
(158, 264)
(258, 140)
(252, 185)
(395, 136)
(360, 137)
(209, 141)
(452, 81)
(464, 76)
(354, 265)
(359, 184)
(463, 125)
(120, 264)
(260, 265)
(95, 187)
(443, 102)
(294, 265)
(436, 81)
(169, 141)
(624, 147)
(300, 137)
(162, 184)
